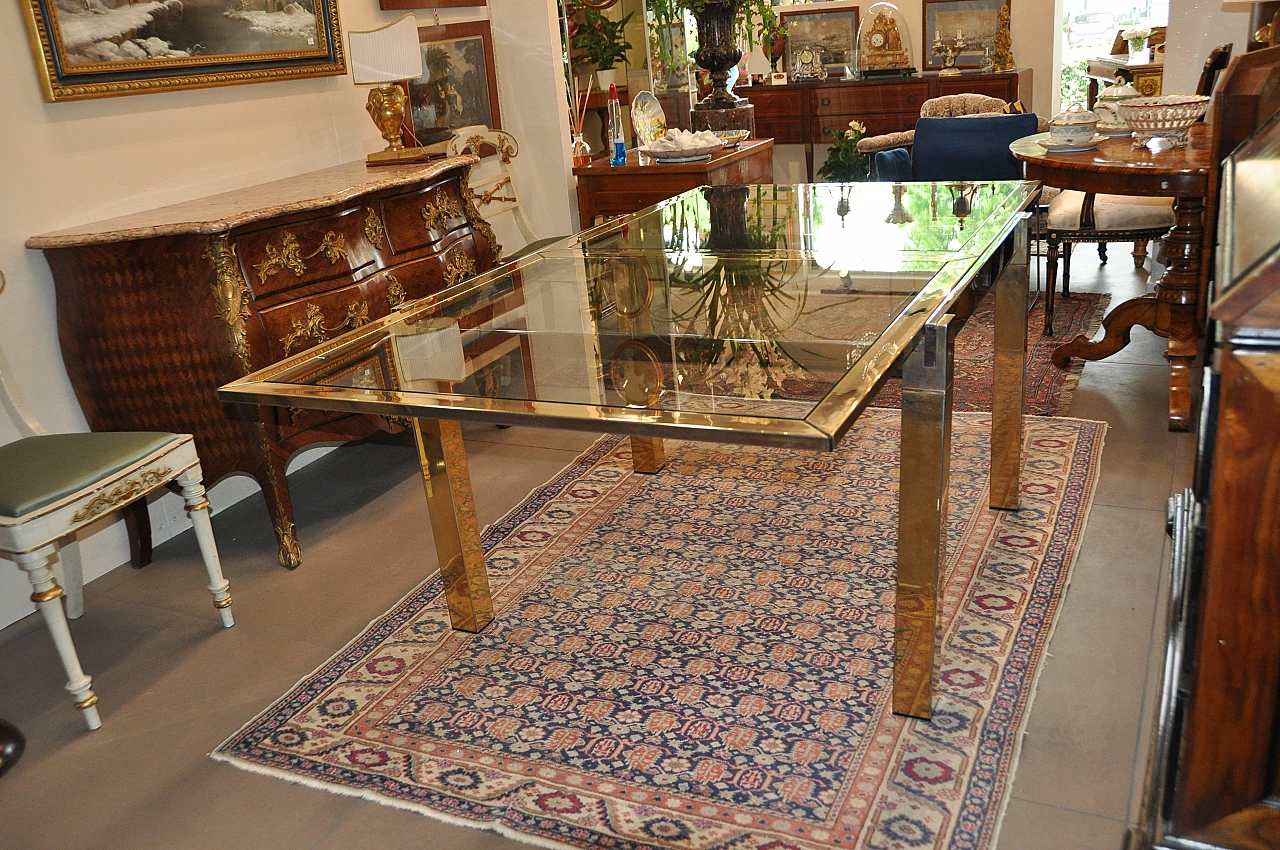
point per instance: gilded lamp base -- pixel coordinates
(386, 107)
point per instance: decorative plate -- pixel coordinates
(648, 119)
(1071, 147)
(682, 154)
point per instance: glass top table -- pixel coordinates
(765, 315)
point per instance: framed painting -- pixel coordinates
(395, 5)
(458, 86)
(830, 31)
(103, 48)
(976, 20)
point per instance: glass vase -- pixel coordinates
(581, 151)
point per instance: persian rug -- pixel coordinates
(1049, 389)
(702, 658)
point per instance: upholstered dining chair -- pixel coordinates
(1075, 217)
(968, 148)
(493, 186)
(54, 485)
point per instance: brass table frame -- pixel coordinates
(921, 337)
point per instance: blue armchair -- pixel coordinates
(975, 148)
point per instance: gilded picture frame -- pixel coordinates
(832, 28)
(979, 20)
(108, 48)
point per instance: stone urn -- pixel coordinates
(718, 52)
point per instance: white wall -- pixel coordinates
(70, 163)
(1195, 28)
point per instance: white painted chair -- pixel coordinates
(53, 485)
(493, 187)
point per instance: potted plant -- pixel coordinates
(722, 26)
(845, 163)
(602, 43)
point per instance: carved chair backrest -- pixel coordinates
(493, 185)
(11, 398)
(1218, 59)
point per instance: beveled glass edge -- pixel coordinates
(821, 429)
(854, 392)
(638, 421)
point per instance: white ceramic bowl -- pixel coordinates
(1074, 133)
(1168, 116)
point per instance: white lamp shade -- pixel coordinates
(386, 55)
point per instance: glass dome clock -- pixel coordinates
(884, 43)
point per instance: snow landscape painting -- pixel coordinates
(152, 43)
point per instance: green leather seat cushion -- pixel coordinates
(38, 471)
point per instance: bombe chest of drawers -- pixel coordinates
(157, 310)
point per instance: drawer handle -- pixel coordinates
(440, 210)
(395, 293)
(826, 101)
(459, 269)
(911, 98)
(289, 255)
(313, 327)
(373, 229)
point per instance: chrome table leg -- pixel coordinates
(1009, 380)
(924, 473)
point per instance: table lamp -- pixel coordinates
(384, 58)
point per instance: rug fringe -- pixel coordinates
(391, 802)
(1020, 736)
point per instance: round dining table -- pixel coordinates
(1175, 310)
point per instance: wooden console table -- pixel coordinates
(610, 190)
(801, 114)
(1175, 310)
(157, 310)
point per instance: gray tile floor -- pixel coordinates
(174, 685)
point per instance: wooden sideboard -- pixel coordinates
(157, 310)
(613, 190)
(802, 114)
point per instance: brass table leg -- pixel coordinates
(1009, 380)
(453, 523)
(925, 469)
(647, 454)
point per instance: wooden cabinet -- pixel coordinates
(1213, 781)
(805, 113)
(159, 309)
(609, 190)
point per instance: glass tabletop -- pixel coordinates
(752, 314)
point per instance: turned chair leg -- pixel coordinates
(197, 504)
(1139, 253)
(47, 594)
(1051, 282)
(1102, 252)
(1066, 270)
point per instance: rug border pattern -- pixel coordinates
(977, 821)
